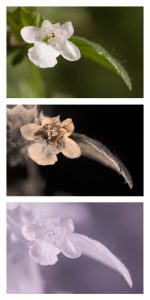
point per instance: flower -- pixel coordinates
(50, 41)
(48, 238)
(50, 138)
(45, 236)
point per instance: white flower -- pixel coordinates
(50, 237)
(50, 41)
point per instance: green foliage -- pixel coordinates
(20, 17)
(24, 78)
(94, 24)
(17, 19)
(102, 57)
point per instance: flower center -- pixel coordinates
(51, 133)
(51, 35)
(55, 235)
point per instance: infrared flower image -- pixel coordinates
(44, 237)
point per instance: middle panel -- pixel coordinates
(75, 150)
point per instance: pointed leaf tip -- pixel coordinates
(97, 53)
(97, 151)
(102, 254)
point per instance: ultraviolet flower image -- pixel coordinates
(41, 234)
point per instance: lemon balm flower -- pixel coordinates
(48, 237)
(49, 139)
(35, 228)
(50, 41)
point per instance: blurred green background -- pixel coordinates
(118, 29)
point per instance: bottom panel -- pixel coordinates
(75, 248)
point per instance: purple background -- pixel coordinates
(119, 226)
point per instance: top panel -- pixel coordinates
(75, 52)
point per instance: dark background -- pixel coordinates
(120, 128)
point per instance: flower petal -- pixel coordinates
(43, 55)
(31, 34)
(71, 148)
(47, 120)
(47, 26)
(50, 223)
(68, 224)
(41, 154)
(68, 29)
(98, 251)
(30, 231)
(70, 249)
(28, 131)
(68, 125)
(70, 51)
(43, 253)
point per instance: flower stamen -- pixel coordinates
(51, 138)
(51, 132)
(52, 35)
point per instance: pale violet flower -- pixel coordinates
(47, 238)
(50, 237)
(50, 41)
(35, 234)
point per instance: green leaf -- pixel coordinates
(101, 56)
(20, 17)
(17, 58)
(13, 23)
